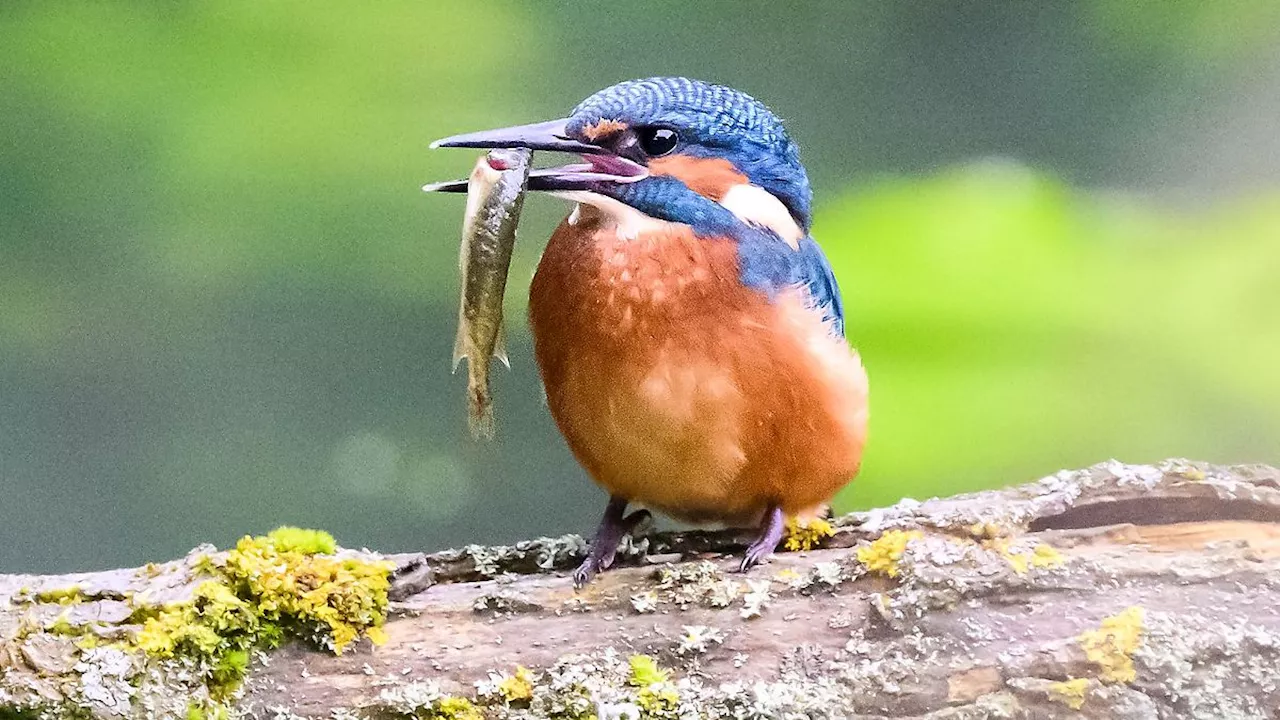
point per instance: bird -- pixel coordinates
(688, 329)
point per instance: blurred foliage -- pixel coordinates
(224, 305)
(1011, 325)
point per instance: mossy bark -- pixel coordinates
(1117, 591)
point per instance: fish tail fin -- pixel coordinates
(500, 345)
(479, 401)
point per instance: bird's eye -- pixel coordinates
(657, 141)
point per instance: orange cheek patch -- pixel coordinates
(709, 177)
(602, 128)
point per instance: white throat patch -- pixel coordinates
(757, 206)
(629, 222)
(751, 203)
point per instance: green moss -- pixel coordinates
(456, 708)
(308, 542)
(229, 672)
(645, 671)
(657, 696)
(263, 591)
(61, 596)
(266, 591)
(659, 702)
(209, 711)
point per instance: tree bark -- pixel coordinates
(1117, 591)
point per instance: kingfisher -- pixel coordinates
(688, 329)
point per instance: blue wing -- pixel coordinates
(813, 270)
(766, 262)
(770, 264)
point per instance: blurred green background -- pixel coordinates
(225, 305)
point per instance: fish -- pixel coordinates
(495, 197)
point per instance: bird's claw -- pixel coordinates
(771, 529)
(604, 547)
(755, 554)
(587, 571)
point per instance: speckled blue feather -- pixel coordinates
(714, 121)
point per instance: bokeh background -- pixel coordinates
(226, 306)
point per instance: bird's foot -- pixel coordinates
(604, 546)
(771, 529)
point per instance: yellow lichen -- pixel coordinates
(61, 625)
(377, 635)
(69, 595)
(1112, 645)
(1046, 556)
(788, 575)
(87, 642)
(214, 620)
(660, 700)
(985, 530)
(518, 687)
(1041, 557)
(453, 707)
(345, 597)
(883, 554)
(807, 534)
(1069, 692)
(267, 588)
(1194, 474)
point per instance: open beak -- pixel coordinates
(601, 166)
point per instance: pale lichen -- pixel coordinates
(423, 700)
(700, 583)
(697, 638)
(644, 602)
(756, 600)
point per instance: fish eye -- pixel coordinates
(657, 141)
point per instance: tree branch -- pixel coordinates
(1116, 591)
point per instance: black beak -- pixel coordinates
(602, 166)
(548, 135)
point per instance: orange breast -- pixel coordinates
(679, 388)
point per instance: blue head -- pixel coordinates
(664, 146)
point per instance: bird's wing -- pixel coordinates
(771, 265)
(813, 273)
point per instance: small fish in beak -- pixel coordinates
(495, 197)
